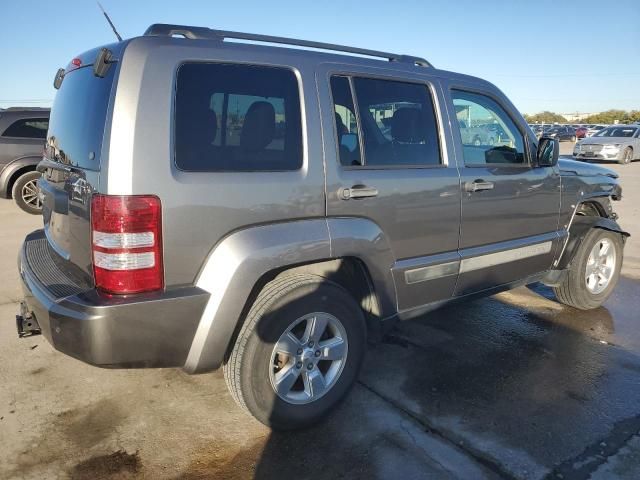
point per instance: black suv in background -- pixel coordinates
(562, 132)
(22, 135)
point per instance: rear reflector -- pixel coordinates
(127, 243)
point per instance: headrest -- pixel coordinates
(259, 126)
(407, 125)
(202, 124)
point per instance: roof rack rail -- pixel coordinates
(162, 29)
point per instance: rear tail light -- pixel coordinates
(126, 241)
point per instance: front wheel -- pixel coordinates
(593, 272)
(26, 194)
(298, 352)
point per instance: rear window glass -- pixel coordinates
(28, 128)
(237, 118)
(78, 118)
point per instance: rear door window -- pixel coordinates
(397, 123)
(237, 118)
(28, 128)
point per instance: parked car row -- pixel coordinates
(561, 132)
(580, 130)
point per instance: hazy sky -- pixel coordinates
(566, 56)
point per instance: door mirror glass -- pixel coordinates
(548, 151)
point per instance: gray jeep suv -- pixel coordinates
(22, 135)
(210, 203)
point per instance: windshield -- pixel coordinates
(617, 132)
(78, 118)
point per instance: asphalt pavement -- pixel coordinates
(511, 386)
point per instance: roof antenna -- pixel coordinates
(110, 22)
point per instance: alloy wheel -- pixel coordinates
(30, 194)
(601, 266)
(308, 358)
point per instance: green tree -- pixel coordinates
(545, 117)
(611, 116)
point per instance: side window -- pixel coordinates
(488, 134)
(28, 128)
(398, 123)
(237, 118)
(346, 123)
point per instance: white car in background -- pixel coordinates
(619, 143)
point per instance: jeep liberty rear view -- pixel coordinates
(215, 204)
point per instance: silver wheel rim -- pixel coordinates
(308, 358)
(600, 266)
(30, 194)
(627, 156)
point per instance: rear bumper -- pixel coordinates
(146, 330)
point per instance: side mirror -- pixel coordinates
(548, 151)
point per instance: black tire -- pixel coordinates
(627, 156)
(23, 192)
(573, 290)
(280, 303)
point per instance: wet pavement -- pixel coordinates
(514, 386)
(520, 381)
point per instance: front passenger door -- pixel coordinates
(509, 205)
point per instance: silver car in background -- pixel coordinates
(619, 143)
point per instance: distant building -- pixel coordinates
(577, 116)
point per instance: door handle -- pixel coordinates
(358, 191)
(478, 185)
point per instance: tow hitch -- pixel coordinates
(26, 322)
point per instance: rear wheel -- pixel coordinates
(26, 194)
(594, 271)
(627, 156)
(573, 139)
(298, 353)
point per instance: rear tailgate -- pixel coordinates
(72, 163)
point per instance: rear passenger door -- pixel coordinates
(509, 225)
(386, 161)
